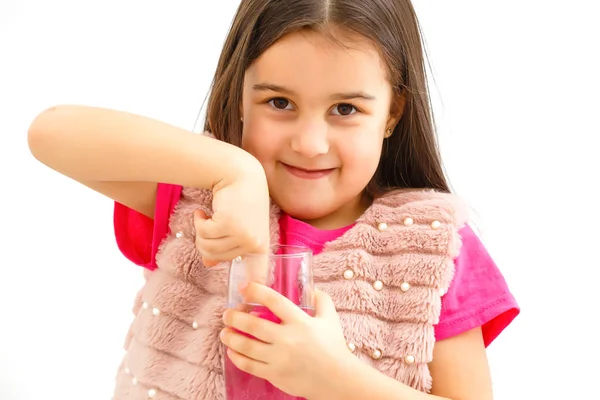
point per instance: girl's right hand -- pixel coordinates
(240, 221)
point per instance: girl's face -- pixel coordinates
(315, 115)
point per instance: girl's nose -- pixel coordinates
(311, 140)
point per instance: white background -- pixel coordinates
(516, 96)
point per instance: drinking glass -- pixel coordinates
(288, 270)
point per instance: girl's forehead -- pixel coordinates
(313, 59)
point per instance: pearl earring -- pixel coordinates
(388, 132)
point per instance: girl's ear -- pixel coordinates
(396, 109)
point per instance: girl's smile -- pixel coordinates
(304, 173)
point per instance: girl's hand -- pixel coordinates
(301, 356)
(240, 221)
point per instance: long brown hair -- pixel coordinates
(410, 157)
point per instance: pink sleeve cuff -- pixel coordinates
(478, 295)
(493, 317)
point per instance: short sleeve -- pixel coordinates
(139, 236)
(478, 295)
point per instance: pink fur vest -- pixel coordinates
(386, 277)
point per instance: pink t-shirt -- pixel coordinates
(478, 294)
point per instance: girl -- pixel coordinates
(320, 108)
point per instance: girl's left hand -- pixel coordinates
(300, 356)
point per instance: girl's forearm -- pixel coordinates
(97, 144)
(358, 381)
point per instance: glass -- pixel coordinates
(288, 270)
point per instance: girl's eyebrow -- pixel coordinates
(336, 96)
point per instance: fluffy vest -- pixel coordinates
(386, 276)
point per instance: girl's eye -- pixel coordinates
(344, 109)
(280, 103)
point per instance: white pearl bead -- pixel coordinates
(377, 354)
(179, 235)
(156, 312)
(405, 286)
(378, 285)
(382, 226)
(195, 325)
(145, 305)
(238, 259)
(151, 393)
(436, 224)
(409, 359)
(127, 371)
(348, 274)
(408, 221)
(134, 381)
(352, 347)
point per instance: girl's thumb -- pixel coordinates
(200, 218)
(324, 304)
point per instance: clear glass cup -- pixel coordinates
(288, 270)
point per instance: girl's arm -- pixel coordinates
(460, 372)
(124, 156)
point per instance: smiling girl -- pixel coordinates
(319, 133)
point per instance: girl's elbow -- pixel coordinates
(43, 133)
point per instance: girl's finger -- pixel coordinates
(207, 228)
(242, 344)
(258, 323)
(216, 246)
(208, 262)
(278, 304)
(257, 268)
(227, 255)
(248, 365)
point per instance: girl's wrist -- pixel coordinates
(337, 385)
(357, 380)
